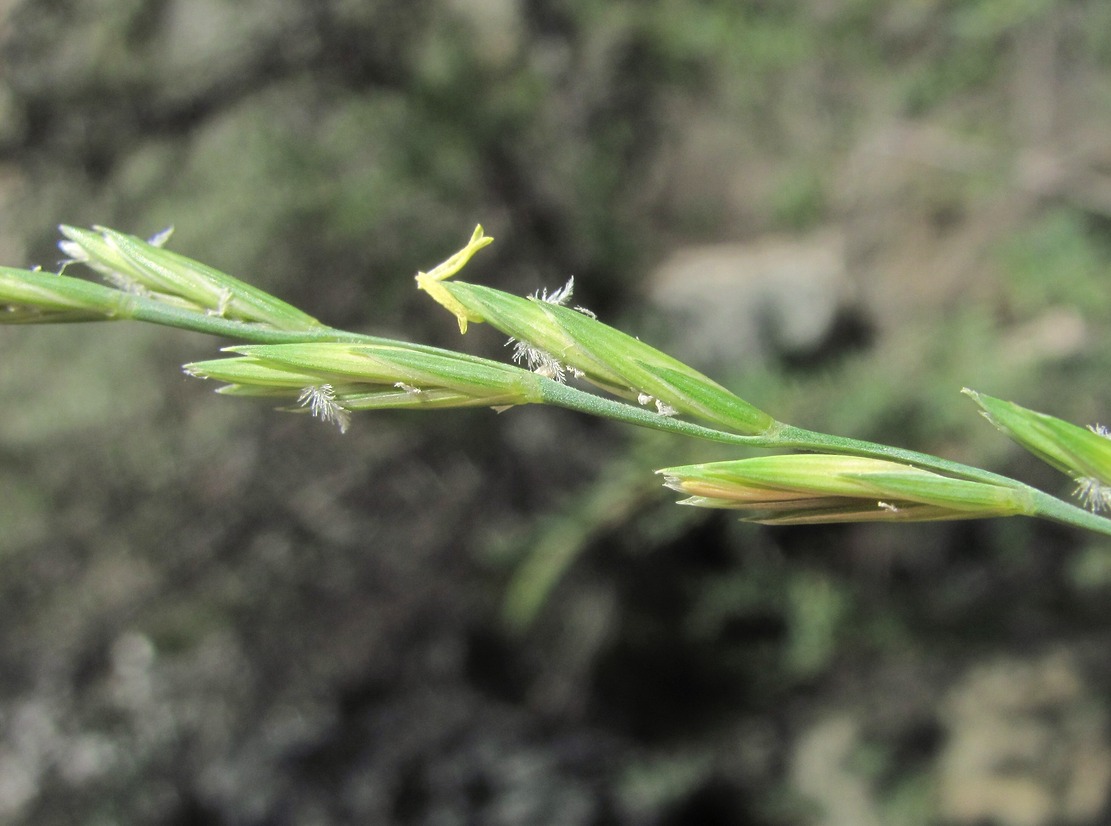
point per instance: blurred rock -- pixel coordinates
(496, 26)
(822, 772)
(1028, 746)
(776, 297)
(1056, 334)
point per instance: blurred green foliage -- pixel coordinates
(1060, 261)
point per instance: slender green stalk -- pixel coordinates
(1042, 504)
(563, 395)
(140, 308)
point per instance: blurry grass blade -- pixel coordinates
(605, 356)
(822, 488)
(1078, 451)
(36, 297)
(134, 265)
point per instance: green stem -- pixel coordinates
(562, 395)
(1058, 510)
(141, 308)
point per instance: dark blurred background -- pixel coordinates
(214, 613)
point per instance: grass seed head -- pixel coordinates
(552, 339)
(813, 488)
(331, 379)
(133, 265)
(1084, 453)
(37, 297)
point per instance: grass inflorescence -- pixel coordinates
(563, 356)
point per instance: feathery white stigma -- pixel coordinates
(541, 361)
(320, 399)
